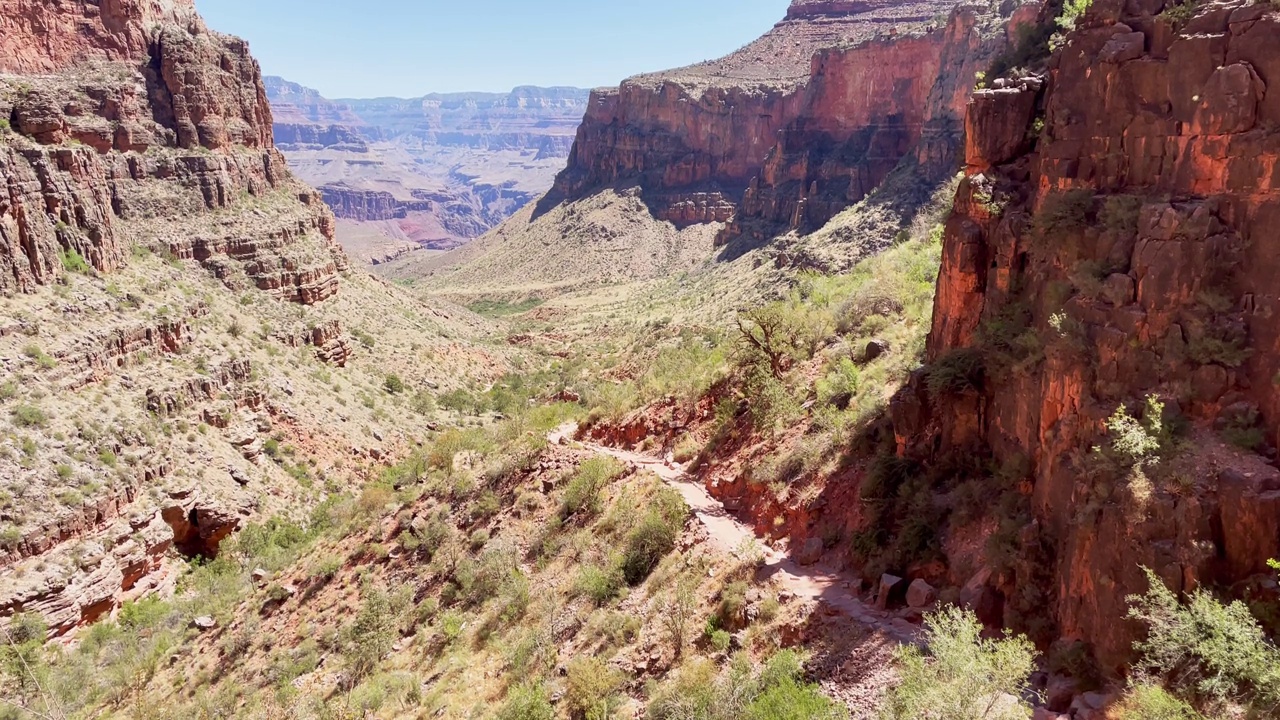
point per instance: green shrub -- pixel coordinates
(1146, 701)
(364, 338)
(1063, 216)
(1120, 214)
(461, 401)
(582, 494)
(526, 702)
(43, 359)
(956, 372)
(655, 536)
(1181, 13)
(1138, 442)
(369, 637)
(29, 416)
(591, 689)
(963, 673)
(393, 384)
(73, 261)
(1206, 649)
(600, 583)
(839, 385)
(1072, 11)
(423, 403)
(697, 691)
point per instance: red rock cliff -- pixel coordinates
(1130, 230)
(126, 122)
(788, 116)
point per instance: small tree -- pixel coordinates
(677, 612)
(962, 676)
(1212, 652)
(370, 636)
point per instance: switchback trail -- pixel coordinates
(806, 582)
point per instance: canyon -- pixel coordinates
(424, 173)
(776, 138)
(156, 254)
(947, 304)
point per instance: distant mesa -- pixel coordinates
(433, 172)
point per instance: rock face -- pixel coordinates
(133, 130)
(108, 156)
(793, 128)
(1132, 233)
(431, 172)
(304, 120)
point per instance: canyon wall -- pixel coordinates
(430, 172)
(130, 133)
(795, 127)
(1121, 212)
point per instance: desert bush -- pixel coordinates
(771, 402)
(29, 416)
(393, 384)
(1147, 701)
(601, 583)
(1208, 651)
(677, 611)
(1120, 213)
(840, 384)
(1063, 216)
(775, 691)
(423, 403)
(955, 372)
(369, 637)
(591, 689)
(1138, 441)
(654, 536)
(582, 494)
(73, 261)
(526, 702)
(963, 675)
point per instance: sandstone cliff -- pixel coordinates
(795, 127)
(1121, 213)
(156, 254)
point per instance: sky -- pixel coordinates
(408, 48)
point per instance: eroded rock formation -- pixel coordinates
(797, 126)
(150, 119)
(431, 172)
(1123, 213)
(130, 129)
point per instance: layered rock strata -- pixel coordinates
(128, 130)
(1122, 213)
(797, 126)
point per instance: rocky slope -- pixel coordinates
(776, 138)
(156, 256)
(1122, 213)
(429, 172)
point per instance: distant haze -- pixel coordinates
(408, 48)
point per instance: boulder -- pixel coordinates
(204, 623)
(1060, 691)
(810, 551)
(921, 594)
(889, 586)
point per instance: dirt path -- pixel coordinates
(812, 582)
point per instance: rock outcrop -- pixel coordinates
(131, 130)
(795, 127)
(151, 119)
(1122, 214)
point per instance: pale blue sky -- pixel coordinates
(404, 48)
